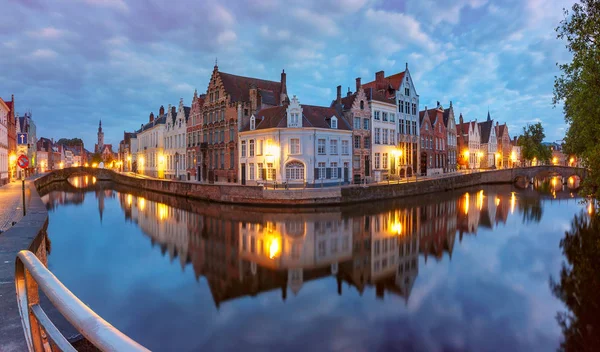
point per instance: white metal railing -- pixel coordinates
(40, 333)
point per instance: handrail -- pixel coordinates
(40, 333)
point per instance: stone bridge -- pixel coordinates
(256, 195)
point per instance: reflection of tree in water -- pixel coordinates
(531, 208)
(579, 286)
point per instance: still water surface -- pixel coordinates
(468, 270)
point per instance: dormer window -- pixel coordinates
(334, 122)
(252, 122)
(294, 119)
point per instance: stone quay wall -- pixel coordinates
(257, 195)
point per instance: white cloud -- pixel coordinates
(44, 54)
(226, 37)
(322, 23)
(404, 26)
(118, 5)
(47, 33)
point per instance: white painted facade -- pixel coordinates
(474, 145)
(150, 158)
(175, 143)
(384, 151)
(4, 159)
(408, 127)
(298, 155)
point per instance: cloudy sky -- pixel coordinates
(74, 62)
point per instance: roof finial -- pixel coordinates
(216, 65)
(407, 65)
(488, 117)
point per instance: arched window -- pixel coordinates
(294, 170)
(252, 123)
(362, 105)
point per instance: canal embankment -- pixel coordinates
(310, 197)
(28, 232)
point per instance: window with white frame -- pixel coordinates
(377, 160)
(357, 123)
(321, 147)
(321, 167)
(401, 107)
(259, 147)
(407, 107)
(356, 142)
(294, 119)
(384, 116)
(365, 124)
(345, 147)
(334, 170)
(334, 122)
(294, 146)
(243, 149)
(377, 115)
(392, 117)
(294, 170)
(251, 148)
(392, 137)
(252, 123)
(377, 135)
(333, 146)
(270, 172)
(251, 171)
(260, 170)
(385, 136)
(385, 160)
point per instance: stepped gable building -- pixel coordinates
(194, 137)
(400, 87)
(504, 146)
(469, 143)
(175, 142)
(450, 124)
(434, 140)
(4, 159)
(229, 103)
(299, 145)
(489, 146)
(354, 107)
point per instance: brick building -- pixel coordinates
(450, 124)
(230, 101)
(504, 146)
(194, 136)
(434, 140)
(355, 109)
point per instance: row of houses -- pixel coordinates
(249, 131)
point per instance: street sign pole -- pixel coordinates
(23, 187)
(23, 163)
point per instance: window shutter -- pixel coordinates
(328, 173)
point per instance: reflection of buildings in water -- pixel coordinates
(438, 228)
(296, 244)
(164, 224)
(467, 214)
(101, 194)
(56, 198)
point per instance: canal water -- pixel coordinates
(478, 269)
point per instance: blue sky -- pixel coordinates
(75, 62)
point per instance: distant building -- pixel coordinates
(469, 143)
(434, 151)
(150, 141)
(126, 148)
(11, 136)
(504, 147)
(450, 124)
(194, 136)
(25, 124)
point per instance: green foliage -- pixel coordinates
(578, 87)
(96, 158)
(579, 285)
(531, 143)
(70, 142)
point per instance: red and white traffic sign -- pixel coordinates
(23, 161)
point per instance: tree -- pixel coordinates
(96, 158)
(578, 87)
(70, 142)
(579, 285)
(531, 143)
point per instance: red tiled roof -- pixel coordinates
(238, 87)
(394, 81)
(312, 116)
(376, 95)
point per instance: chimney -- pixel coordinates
(161, 111)
(349, 92)
(151, 118)
(358, 84)
(253, 98)
(438, 103)
(283, 99)
(379, 76)
(339, 95)
(407, 65)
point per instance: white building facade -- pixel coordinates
(385, 152)
(296, 145)
(175, 142)
(150, 157)
(408, 124)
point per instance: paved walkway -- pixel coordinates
(11, 204)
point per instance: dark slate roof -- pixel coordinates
(486, 130)
(157, 121)
(432, 113)
(376, 95)
(238, 86)
(268, 97)
(446, 117)
(312, 116)
(501, 129)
